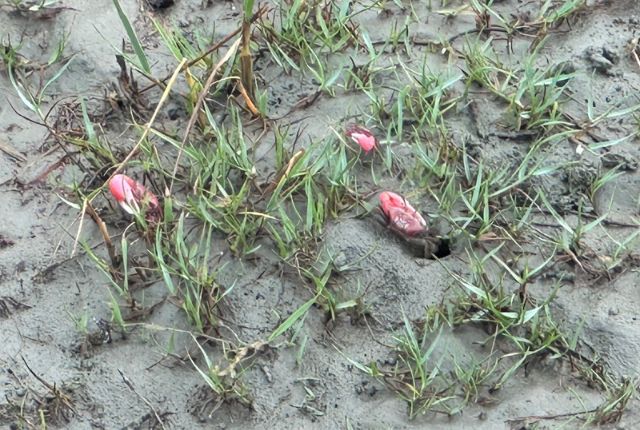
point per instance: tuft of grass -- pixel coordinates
(189, 270)
(618, 395)
(226, 383)
(416, 378)
(300, 32)
(20, 72)
(534, 96)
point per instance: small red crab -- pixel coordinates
(134, 198)
(408, 224)
(363, 137)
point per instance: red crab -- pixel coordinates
(408, 224)
(363, 137)
(134, 198)
(401, 216)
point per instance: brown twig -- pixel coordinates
(66, 400)
(246, 61)
(551, 417)
(247, 99)
(111, 249)
(242, 354)
(129, 384)
(11, 152)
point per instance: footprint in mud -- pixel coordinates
(602, 59)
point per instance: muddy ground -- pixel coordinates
(53, 372)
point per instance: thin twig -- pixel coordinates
(105, 234)
(77, 238)
(66, 400)
(127, 381)
(551, 417)
(11, 152)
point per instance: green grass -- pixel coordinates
(20, 71)
(300, 33)
(225, 378)
(143, 62)
(534, 96)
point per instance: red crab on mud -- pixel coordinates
(408, 224)
(363, 137)
(134, 198)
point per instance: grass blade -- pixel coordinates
(299, 313)
(133, 38)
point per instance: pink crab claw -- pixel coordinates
(133, 197)
(401, 216)
(363, 137)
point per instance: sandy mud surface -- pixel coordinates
(511, 125)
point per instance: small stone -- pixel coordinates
(21, 267)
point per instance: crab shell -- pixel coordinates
(401, 216)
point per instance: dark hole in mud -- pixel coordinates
(442, 250)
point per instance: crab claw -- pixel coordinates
(133, 197)
(363, 137)
(401, 216)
